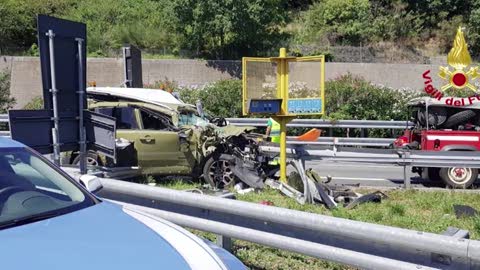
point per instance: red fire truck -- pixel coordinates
(442, 127)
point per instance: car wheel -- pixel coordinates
(92, 160)
(457, 177)
(459, 118)
(217, 173)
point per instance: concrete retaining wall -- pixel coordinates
(26, 79)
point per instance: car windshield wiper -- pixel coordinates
(28, 219)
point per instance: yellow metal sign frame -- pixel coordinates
(282, 93)
(245, 60)
(283, 80)
(321, 60)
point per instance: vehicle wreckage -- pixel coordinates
(159, 134)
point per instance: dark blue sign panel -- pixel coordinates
(65, 35)
(133, 66)
(61, 42)
(34, 129)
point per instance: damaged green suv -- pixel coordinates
(164, 136)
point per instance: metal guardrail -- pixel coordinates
(381, 156)
(404, 158)
(359, 244)
(321, 123)
(342, 141)
(371, 142)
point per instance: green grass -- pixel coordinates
(416, 210)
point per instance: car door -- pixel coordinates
(156, 144)
(159, 144)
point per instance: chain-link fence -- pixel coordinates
(350, 54)
(364, 54)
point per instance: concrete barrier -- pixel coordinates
(26, 81)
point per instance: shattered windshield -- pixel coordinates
(191, 119)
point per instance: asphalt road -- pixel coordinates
(367, 174)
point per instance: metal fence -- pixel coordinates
(331, 124)
(359, 244)
(321, 123)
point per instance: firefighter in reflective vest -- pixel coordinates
(273, 130)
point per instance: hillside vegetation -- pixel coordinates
(230, 29)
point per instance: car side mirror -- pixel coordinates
(91, 183)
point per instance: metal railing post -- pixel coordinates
(406, 178)
(81, 99)
(224, 242)
(54, 90)
(126, 81)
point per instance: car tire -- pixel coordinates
(436, 116)
(432, 174)
(92, 159)
(477, 119)
(458, 177)
(459, 118)
(218, 177)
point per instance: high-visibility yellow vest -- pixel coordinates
(274, 130)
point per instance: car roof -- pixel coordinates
(141, 94)
(9, 143)
(147, 96)
(162, 109)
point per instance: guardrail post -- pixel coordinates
(224, 242)
(406, 168)
(406, 178)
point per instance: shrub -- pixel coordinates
(222, 98)
(35, 104)
(351, 97)
(6, 101)
(347, 97)
(337, 21)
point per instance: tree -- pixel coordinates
(229, 28)
(473, 34)
(111, 23)
(433, 12)
(18, 26)
(393, 21)
(337, 21)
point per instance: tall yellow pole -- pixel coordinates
(283, 119)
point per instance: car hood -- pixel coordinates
(98, 237)
(230, 130)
